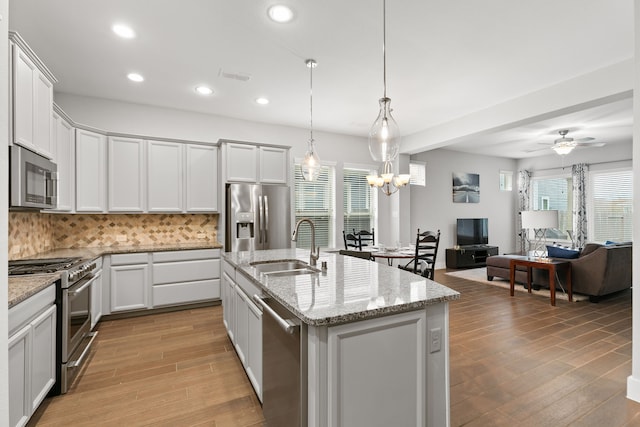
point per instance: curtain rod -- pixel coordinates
(588, 164)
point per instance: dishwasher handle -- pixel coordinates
(285, 324)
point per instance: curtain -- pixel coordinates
(579, 179)
(524, 186)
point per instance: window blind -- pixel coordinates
(418, 172)
(315, 200)
(358, 201)
(612, 201)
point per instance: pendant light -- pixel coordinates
(384, 136)
(311, 163)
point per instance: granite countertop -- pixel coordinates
(22, 287)
(351, 289)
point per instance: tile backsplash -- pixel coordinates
(31, 233)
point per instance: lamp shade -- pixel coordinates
(539, 219)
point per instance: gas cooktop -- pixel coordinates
(34, 266)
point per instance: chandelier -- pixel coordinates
(311, 164)
(386, 182)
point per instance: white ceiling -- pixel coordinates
(445, 59)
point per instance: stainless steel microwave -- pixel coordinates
(33, 180)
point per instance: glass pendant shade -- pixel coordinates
(311, 164)
(384, 136)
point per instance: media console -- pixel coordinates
(469, 256)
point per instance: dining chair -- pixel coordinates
(357, 254)
(424, 261)
(351, 240)
(366, 237)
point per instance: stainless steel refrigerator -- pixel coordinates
(257, 217)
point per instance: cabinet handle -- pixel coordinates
(285, 324)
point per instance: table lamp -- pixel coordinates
(539, 222)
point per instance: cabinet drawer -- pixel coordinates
(180, 293)
(186, 271)
(228, 268)
(186, 255)
(249, 288)
(128, 259)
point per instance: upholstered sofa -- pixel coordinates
(599, 270)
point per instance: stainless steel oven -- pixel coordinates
(73, 298)
(33, 180)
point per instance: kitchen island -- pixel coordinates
(375, 338)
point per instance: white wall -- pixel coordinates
(4, 213)
(609, 156)
(432, 206)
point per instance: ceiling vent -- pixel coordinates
(234, 76)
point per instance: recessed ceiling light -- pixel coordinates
(123, 31)
(135, 77)
(280, 13)
(262, 101)
(204, 90)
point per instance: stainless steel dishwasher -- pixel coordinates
(284, 365)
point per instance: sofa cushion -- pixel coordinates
(589, 247)
(560, 252)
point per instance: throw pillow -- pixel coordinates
(558, 252)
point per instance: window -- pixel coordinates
(418, 172)
(315, 200)
(611, 208)
(506, 180)
(359, 200)
(554, 194)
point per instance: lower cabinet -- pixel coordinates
(32, 354)
(129, 282)
(96, 298)
(243, 320)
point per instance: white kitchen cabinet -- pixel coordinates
(91, 179)
(201, 184)
(96, 298)
(242, 324)
(165, 176)
(129, 276)
(63, 135)
(32, 97)
(127, 165)
(274, 165)
(254, 352)
(32, 354)
(228, 305)
(182, 277)
(241, 162)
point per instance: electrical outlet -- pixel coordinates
(121, 238)
(202, 235)
(435, 340)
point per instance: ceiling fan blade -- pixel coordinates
(585, 139)
(591, 144)
(533, 150)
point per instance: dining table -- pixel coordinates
(391, 253)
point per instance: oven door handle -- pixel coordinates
(85, 285)
(78, 362)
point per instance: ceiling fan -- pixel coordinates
(564, 144)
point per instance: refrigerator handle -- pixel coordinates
(260, 219)
(265, 227)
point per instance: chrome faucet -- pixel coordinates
(313, 257)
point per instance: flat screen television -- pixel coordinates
(472, 231)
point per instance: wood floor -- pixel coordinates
(515, 361)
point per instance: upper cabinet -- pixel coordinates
(91, 174)
(256, 164)
(127, 165)
(32, 99)
(63, 138)
(201, 174)
(165, 180)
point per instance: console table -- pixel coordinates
(469, 256)
(549, 264)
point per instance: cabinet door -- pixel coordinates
(19, 374)
(126, 174)
(43, 108)
(24, 72)
(129, 287)
(96, 299)
(90, 171)
(43, 360)
(254, 362)
(242, 324)
(165, 180)
(241, 162)
(274, 165)
(228, 305)
(201, 178)
(63, 138)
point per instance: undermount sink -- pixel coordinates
(286, 267)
